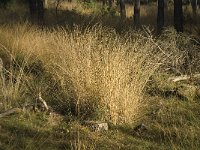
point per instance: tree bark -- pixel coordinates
(46, 3)
(178, 15)
(194, 8)
(109, 4)
(166, 5)
(40, 11)
(36, 8)
(122, 9)
(160, 15)
(184, 77)
(104, 3)
(33, 9)
(137, 12)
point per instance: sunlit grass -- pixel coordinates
(102, 68)
(94, 73)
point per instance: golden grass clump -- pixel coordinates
(107, 72)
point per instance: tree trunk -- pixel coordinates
(160, 15)
(178, 15)
(194, 8)
(57, 5)
(166, 5)
(104, 3)
(137, 12)
(122, 9)
(109, 4)
(36, 8)
(33, 10)
(46, 3)
(40, 9)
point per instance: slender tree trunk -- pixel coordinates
(33, 10)
(137, 12)
(57, 5)
(36, 8)
(194, 8)
(122, 9)
(40, 9)
(46, 3)
(160, 15)
(104, 3)
(178, 15)
(109, 4)
(166, 5)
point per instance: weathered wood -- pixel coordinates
(3, 84)
(10, 112)
(40, 104)
(43, 101)
(188, 91)
(184, 77)
(2, 74)
(1, 65)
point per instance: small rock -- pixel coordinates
(97, 126)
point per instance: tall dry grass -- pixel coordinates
(101, 66)
(104, 73)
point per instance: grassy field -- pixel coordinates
(89, 65)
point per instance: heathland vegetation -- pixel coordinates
(67, 64)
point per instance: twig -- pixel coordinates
(43, 101)
(3, 89)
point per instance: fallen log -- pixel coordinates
(184, 77)
(10, 112)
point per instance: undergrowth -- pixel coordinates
(94, 73)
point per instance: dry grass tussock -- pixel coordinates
(100, 70)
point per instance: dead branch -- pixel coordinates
(184, 77)
(43, 101)
(10, 112)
